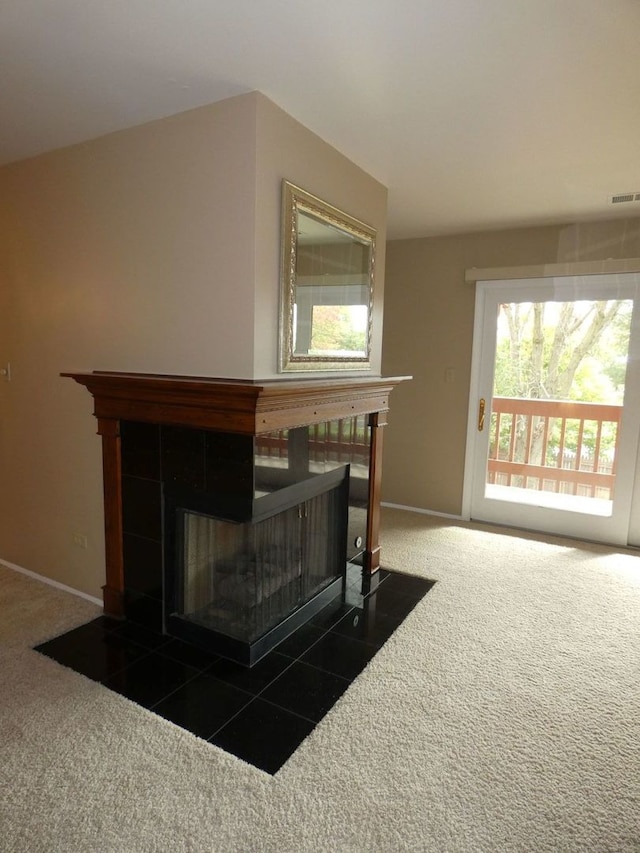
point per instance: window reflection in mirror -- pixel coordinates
(327, 286)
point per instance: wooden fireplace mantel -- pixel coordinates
(234, 405)
(247, 407)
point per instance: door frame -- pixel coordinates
(621, 529)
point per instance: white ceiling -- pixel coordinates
(475, 113)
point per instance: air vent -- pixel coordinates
(623, 198)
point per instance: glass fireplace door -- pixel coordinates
(241, 579)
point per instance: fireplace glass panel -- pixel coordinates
(241, 579)
(290, 456)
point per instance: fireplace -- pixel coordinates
(240, 586)
(231, 507)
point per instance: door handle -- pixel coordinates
(481, 408)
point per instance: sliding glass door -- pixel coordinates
(555, 405)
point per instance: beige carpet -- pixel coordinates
(503, 715)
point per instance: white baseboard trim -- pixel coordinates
(50, 582)
(423, 511)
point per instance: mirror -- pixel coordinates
(327, 278)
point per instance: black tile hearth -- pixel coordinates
(263, 735)
(306, 690)
(252, 680)
(191, 655)
(298, 643)
(146, 637)
(93, 650)
(203, 705)
(339, 655)
(371, 627)
(149, 680)
(261, 714)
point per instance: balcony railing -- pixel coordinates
(343, 441)
(557, 446)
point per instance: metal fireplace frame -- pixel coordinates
(179, 499)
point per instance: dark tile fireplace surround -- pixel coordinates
(239, 458)
(235, 480)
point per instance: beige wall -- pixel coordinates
(429, 329)
(287, 150)
(153, 249)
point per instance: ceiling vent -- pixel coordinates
(623, 198)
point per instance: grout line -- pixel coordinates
(293, 713)
(193, 678)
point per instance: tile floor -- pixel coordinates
(260, 714)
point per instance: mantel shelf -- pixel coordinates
(249, 407)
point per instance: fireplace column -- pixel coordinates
(113, 590)
(370, 578)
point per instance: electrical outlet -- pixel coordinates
(79, 540)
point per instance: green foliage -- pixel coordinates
(334, 330)
(575, 351)
(562, 351)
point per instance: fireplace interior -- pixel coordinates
(241, 586)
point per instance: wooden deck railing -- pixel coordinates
(345, 440)
(558, 446)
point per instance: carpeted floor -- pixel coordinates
(503, 715)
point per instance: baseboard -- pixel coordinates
(50, 582)
(423, 511)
